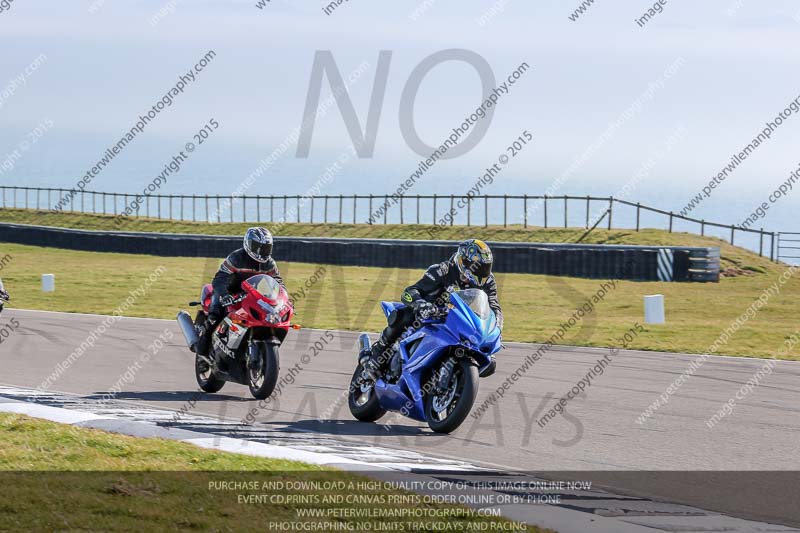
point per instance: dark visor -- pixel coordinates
(481, 270)
(261, 249)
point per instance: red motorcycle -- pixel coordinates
(244, 346)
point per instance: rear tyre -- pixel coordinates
(446, 410)
(262, 372)
(206, 378)
(362, 400)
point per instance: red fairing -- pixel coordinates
(265, 304)
(205, 296)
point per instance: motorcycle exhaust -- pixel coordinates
(187, 327)
(363, 343)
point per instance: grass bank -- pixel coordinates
(65, 478)
(732, 256)
(348, 298)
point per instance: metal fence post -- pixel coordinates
(258, 208)
(670, 221)
(452, 199)
(434, 209)
(486, 211)
(772, 247)
(638, 209)
(401, 209)
(610, 210)
(207, 218)
(370, 209)
(505, 210)
(311, 219)
(298, 208)
(219, 212)
(545, 212)
(733, 229)
(525, 211)
(385, 208)
(341, 207)
(355, 207)
(761, 242)
(325, 215)
(418, 209)
(469, 210)
(587, 211)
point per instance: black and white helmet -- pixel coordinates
(258, 244)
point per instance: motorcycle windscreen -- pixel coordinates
(266, 286)
(478, 302)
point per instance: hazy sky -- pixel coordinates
(738, 69)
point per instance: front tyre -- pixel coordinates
(206, 378)
(446, 409)
(262, 370)
(362, 400)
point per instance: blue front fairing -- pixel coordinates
(422, 350)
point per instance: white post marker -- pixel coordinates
(654, 309)
(48, 282)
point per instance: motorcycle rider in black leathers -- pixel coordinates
(469, 267)
(4, 297)
(255, 257)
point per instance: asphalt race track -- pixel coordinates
(599, 434)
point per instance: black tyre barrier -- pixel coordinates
(641, 263)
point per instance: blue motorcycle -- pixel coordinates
(433, 374)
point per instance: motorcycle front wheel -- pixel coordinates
(362, 400)
(206, 378)
(446, 410)
(262, 370)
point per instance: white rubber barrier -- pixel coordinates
(654, 309)
(48, 282)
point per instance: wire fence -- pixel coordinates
(434, 210)
(789, 247)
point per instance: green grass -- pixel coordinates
(348, 298)
(732, 256)
(65, 478)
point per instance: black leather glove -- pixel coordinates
(424, 309)
(226, 299)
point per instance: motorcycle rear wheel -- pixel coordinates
(361, 399)
(447, 411)
(262, 378)
(206, 378)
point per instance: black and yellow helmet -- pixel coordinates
(474, 261)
